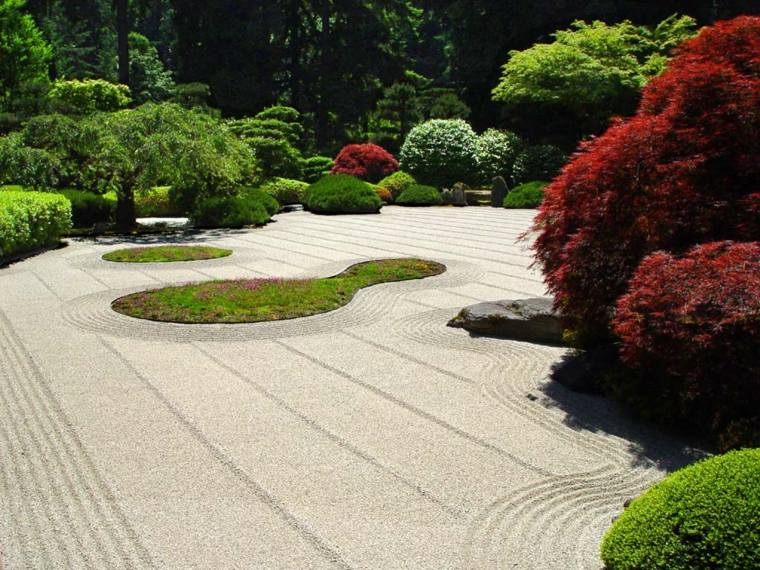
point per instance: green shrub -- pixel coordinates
(25, 166)
(703, 517)
(496, 153)
(285, 190)
(419, 195)
(71, 142)
(75, 97)
(342, 194)
(397, 182)
(88, 208)
(528, 195)
(441, 152)
(271, 205)
(29, 220)
(276, 157)
(280, 113)
(316, 167)
(537, 162)
(246, 209)
(157, 202)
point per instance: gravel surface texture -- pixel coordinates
(369, 437)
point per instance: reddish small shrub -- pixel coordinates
(384, 193)
(691, 327)
(682, 172)
(366, 161)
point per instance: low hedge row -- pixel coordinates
(30, 220)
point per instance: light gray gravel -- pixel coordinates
(370, 437)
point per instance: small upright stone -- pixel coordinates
(459, 194)
(499, 190)
(447, 196)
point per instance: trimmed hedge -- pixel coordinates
(397, 182)
(419, 195)
(29, 220)
(342, 194)
(88, 209)
(285, 190)
(703, 517)
(528, 195)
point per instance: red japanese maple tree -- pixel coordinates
(690, 327)
(684, 170)
(369, 162)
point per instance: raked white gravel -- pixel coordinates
(370, 437)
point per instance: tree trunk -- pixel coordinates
(122, 33)
(324, 63)
(126, 214)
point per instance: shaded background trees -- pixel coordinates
(356, 69)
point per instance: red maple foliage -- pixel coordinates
(683, 171)
(369, 162)
(691, 327)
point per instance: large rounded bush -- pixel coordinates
(528, 195)
(690, 328)
(682, 172)
(369, 162)
(703, 517)
(285, 190)
(441, 152)
(496, 154)
(342, 194)
(397, 182)
(419, 195)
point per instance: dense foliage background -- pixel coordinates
(356, 69)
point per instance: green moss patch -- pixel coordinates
(255, 300)
(166, 253)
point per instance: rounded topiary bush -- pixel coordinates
(342, 194)
(690, 329)
(703, 517)
(369, 162)
(441, 152)
(285, 190)
(682, 172)
(420, 195)
(537, 162)
(496, 152)
(397, 182)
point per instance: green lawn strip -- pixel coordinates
(166, 253)
(256, 300)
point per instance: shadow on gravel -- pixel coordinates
(166, 238)
(598, 414)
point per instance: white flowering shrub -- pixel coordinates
(441, 152)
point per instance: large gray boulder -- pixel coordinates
(531, 320)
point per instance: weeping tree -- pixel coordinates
(167, 144)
